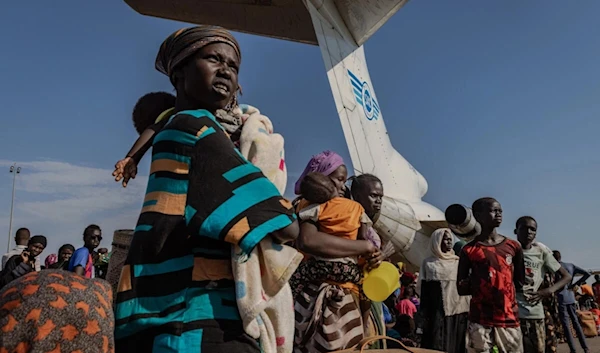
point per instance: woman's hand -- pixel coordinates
(125, 169)
(375, 261)
(25, 256)
(372, 254)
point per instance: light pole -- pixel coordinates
(14, 170)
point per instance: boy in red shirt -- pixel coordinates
(491, 270)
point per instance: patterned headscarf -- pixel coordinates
(325, 163)
(185, 42)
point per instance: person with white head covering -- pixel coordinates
(443, 309)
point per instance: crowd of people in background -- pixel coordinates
(88, 261)
(216, 247)
(497, 294)
(490, 293)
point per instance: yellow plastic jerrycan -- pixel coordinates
(380, 283)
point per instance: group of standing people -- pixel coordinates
(498, 293)
(210, 211)
(24, 258)
(57, 305)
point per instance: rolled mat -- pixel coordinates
(120, 248)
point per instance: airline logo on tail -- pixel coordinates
(363, 96)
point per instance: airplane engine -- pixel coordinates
(398, 223)
(462, 222)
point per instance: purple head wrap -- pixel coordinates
(51, 260)
(325, 163)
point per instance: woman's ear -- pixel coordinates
(177, 78)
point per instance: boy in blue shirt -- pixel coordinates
(82, 261)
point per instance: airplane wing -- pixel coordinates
(281, 19)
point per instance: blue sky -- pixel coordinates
(483, 98)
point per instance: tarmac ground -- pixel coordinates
(593, 345)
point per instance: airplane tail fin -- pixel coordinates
(363, 18)
(339, 36)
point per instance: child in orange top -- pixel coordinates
(333, 215)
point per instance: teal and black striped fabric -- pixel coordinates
(177, 291)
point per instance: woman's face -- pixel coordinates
(446, 242)
(339, 177)
(209, 79)
(65, 255)
(36, 249)
(370, 198)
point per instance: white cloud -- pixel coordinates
(59, 199)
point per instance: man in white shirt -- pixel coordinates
(22, 239)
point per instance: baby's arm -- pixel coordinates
(126, 168)
(142, 145)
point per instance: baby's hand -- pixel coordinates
(125, 169)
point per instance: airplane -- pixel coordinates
(339, 28)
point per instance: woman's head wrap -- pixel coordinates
(436, 245)
(65, 247)
(185, 42)
(51, 260)
(38, 239)
(325, 163)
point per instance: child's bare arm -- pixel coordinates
(126, 168)
(141, 145)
